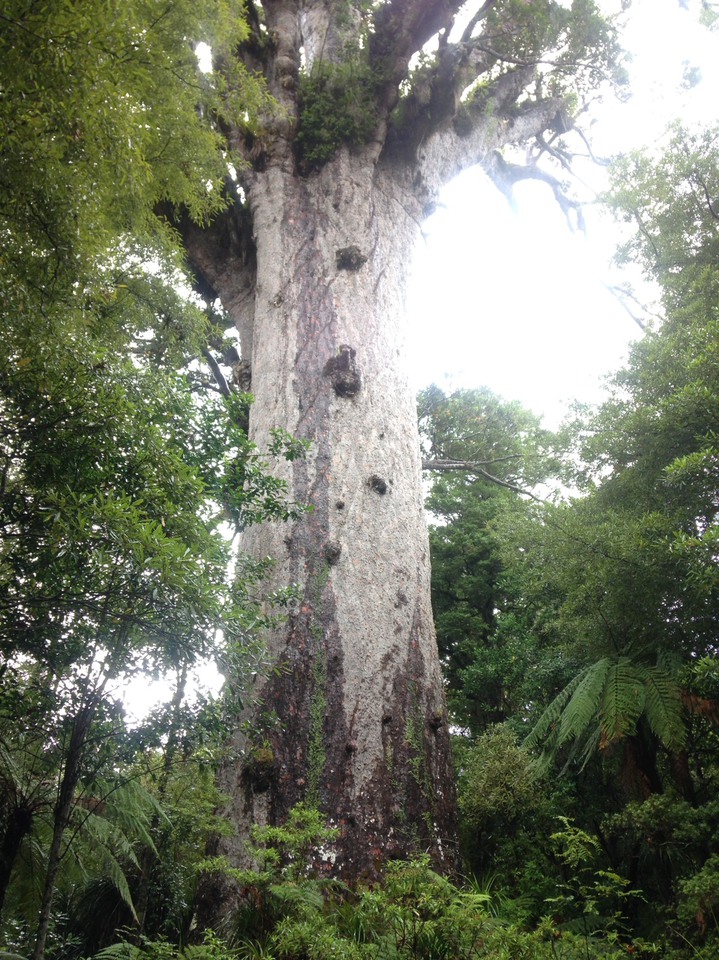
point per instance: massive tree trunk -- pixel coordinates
(354, 713)
(313, 268)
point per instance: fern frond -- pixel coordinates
(547, 723)
(112, 846)
(133, 808)
(591, 745)
(118, 951)
(583, 708)
(107, 839)
(299, 894)
(663, 707)
(622, 702)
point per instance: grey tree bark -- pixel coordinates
(313, 267)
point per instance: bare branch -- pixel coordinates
(449, 466)
(505, 175)
(477, 18)
(483, 127)
(621, 296)
(217, 373)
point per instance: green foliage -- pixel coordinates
(287, 880)
(501, 444)
(698, 902)
(290, 847)
(506, 813)
(102, 126)
(414, 914)
(593, 900)
(211, 948)
(338, 106)
(497, 782)
(115, 475)
(615, 590)
(411, 913)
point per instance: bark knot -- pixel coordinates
(350, 258)
(332, 551)
(378, 484)
(343, 372)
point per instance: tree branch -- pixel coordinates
(482, 128)
(223, 258)
(217, 373)
(620, 295)
(505, 175)
(449, 466)
(402, 27)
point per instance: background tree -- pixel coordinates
(619, 581)
(379, 105)
(113, 477)
(482, 453)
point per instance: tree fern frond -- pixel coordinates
(303, 895)
(114, 849)
(663, 707)
(133, 808)
(591, 744)
(118, 878)
(622, 702)
(583, 708)
(546, 725)
(107, 839)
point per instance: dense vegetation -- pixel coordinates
(578, 631)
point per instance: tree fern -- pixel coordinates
(132, 808)
(115, 851)
(113, 837)
(604, 703)
(547, 723)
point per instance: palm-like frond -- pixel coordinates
(547, 723)
(583, 709)
(622, 700)
(112, 837)
(114, 849)
(663, 708)
(603, 704)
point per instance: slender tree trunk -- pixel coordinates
(61, 819)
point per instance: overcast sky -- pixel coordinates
(511, 298)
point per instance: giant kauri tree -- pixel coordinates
(377, 105)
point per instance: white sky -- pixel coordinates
(511, 299)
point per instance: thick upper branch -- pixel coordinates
(223, 260)
(482, 127)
